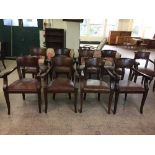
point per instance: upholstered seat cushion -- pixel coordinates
(92, 85)
(24, 85)
(130, 86)
(61, 85)
(147, 71)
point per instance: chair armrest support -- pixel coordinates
(142, 74)
(8, 73)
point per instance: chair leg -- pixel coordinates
(39, 101)
(110, 100)
(69, 94)
(84, 96)
(81, 102)
(98, 96)
(3, 63)
(142, 80)
(125, 96)
(75, 102)
(45, 98)
(116, 100)
(7, 101)
(23, 94)
(154, 85)
(53, 96)
(143, 102)
(135, 78)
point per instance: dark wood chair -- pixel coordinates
(61, 84)
(145, 56)
(84, 53)
(128, 86)
(62, 51)
(40, 53)
(3, 51)
(23, 85)
(96, 85)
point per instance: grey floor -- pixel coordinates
(61, 119)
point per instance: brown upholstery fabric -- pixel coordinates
(147, 71)
(24, 85)
(92, 85)
(61, 85)
(130, 86)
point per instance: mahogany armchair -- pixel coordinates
(96, 85)
(40, 53)
(23, 85)
(145, 56)
(128, 86)
(61, 65)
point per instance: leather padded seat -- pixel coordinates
(61, 85)
(24, 85)
(92, 85)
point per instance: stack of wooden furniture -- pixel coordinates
(117, 37)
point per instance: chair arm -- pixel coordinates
(153, 63)
(44, 74)
(111, 73)
(8, 72)
(136, 64)
(142, 74)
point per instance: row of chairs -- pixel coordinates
(64, 65)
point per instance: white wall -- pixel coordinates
(125, 24)
(72, 32)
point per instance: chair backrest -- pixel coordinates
(62, 65)
(124, 63)
(63, 61)
(143, 56)
(108, 53)
(85, 53)
(92, 65)
(37, 51)
(26, 61)
(60, 51)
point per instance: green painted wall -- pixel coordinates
(23, 38)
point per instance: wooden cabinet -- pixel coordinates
(116, 37)
(54, 38)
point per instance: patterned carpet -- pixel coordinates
(61, 119)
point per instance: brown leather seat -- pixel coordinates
(130, 86)
(92, 85)
(61, 65)
(127, 86)
(23, 85)
(60, 85)
(95, 86)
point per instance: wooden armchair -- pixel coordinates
(40, 53)
(84, 53)
(145, 56)
(128, 86)
(96, 85)
(23, 85)
(62, 65)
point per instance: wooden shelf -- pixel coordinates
(54, 38)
